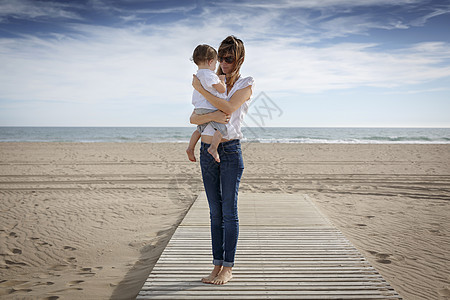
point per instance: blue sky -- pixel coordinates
(372, 63)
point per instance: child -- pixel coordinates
(205, 57)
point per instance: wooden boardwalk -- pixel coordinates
(286, 250)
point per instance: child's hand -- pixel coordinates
(222, 78)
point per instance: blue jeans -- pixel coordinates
(221, 181)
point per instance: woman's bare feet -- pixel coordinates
(190, 154)
(210, 278)
(224, 276)
(214, 153)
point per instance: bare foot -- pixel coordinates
(190, 154)
(210, 278)
(214, 153)
(224, 276)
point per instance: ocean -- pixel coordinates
(251, 134)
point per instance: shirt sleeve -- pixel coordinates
(211, 79)
(247, 81)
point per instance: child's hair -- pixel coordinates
(235, 47)
(203, 53)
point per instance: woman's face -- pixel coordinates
(227, 63)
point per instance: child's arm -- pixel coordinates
(221, 87)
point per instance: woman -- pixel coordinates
(221, 180)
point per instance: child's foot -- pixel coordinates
(223, 277)
(214, 153)
(190, 154)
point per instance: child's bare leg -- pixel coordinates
(217, 137)
(192, 142)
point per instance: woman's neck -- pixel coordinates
(228, 76)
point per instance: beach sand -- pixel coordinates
(89, 220)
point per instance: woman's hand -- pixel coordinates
(220, 117)
(196, 83)
(217, 116)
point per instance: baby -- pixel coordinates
(205, 57)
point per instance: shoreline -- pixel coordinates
(91, 219)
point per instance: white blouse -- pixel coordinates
(236, 118)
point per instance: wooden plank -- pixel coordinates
(286, 250)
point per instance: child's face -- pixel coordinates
(213, 64)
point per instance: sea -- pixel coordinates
(331, 135)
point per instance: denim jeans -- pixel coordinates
(221, 181)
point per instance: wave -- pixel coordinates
(372, 140)
(251, 134)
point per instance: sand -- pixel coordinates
(89, 220)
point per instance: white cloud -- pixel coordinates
(26, 9)
(289, 4)
(151, 65)
(346, 66)
(144, 65)
(421, 21)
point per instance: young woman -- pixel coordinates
(221, 180)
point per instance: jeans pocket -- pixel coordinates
(231, 149)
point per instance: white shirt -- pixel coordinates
(207, 79)
(236, 118)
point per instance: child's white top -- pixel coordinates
(236, 118)
(207, 79)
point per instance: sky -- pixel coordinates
(327, 63)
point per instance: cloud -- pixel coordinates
(346, 66)
(111, 65)
(149, 63)
(437, 11)
(30, 10)
(313, 4)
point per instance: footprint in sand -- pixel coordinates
(86, 272)
(43, 283)
(435, 231)
(382, 257)
(13, 290)
(69, 248)
(444, 293)
(11, 283)
(384, 261)
(68, 289)
(58, 267)
(51, 298)
(14, 263)
(86, 269)
(17, 251)
(75, 282)
(72, 259)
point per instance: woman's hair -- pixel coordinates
(203, 53)
(234, 47)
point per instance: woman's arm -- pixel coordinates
(228, 107)
(217, 116)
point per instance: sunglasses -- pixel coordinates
(227, 59)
